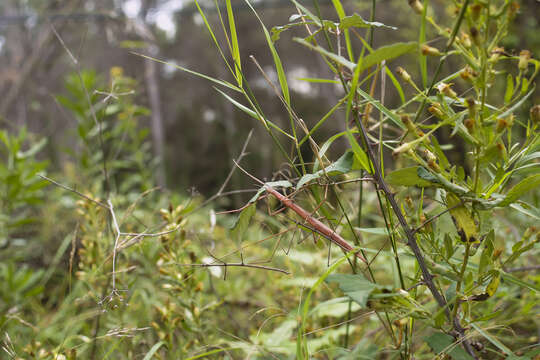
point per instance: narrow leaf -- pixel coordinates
(357, 287)
(356, 20)
(443, 343)
(525, 185)
(407, 177)
(234, 40)
(359, 154)
(242, 222)
(153, 350)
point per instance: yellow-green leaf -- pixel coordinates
(462, 219)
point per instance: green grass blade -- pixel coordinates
(254, 114)
(153, 350)
(209, 28)
(211, 352)
(235, 50)
(393, 117)
(387, 53)
(492, 340)
(277, 61)
(341, 13)
(301, 343)
(214, 80)
(322, 121)
(396, 84)
(337, 58)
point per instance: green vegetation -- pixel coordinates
(419, 241)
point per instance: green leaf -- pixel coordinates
(377, 104)
(356, 20)
(337, 58)
(277, 61)
(336, 307)
(509, 88)
(242, 222)
(487, 252)
(442, 343)
(407, 177)
(493, 285)
(153, 350)
(529, 183)
(510, 278)
(388, 52)
(359, 154)
(274, 184)
(217, 81)
(427, 175)
(235, 48)
(342, 166)
(33, 150)
(493, 340)
(374, 231)
(463, 219)
(357, 287)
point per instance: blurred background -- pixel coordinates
(194, 132)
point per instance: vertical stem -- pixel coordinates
(460, 280)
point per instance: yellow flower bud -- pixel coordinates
(468, 74)
(535, 114)
(446, 89)
(436, 110)
(430, 51)
(466, 40)
(524, 57)
(469, 124)
(403, 74)
(496, 54)
(417, 6)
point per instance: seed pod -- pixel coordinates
(417, 6)
(501, 125)
(496, 54)
(476, 11)
(475, 35)
(434, 166)
(466, 40)
(408, 123)
(505, 123)
(402, 148)
(403, 74)
(435, 109)
(469, 124)
(524, 57)
(446, 89)
(468, 74)
(471, 105)
(535, 114)
(429, 155)
(430, 51)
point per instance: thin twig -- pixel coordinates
(73, 191)
(221, 192)
(260, 267)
